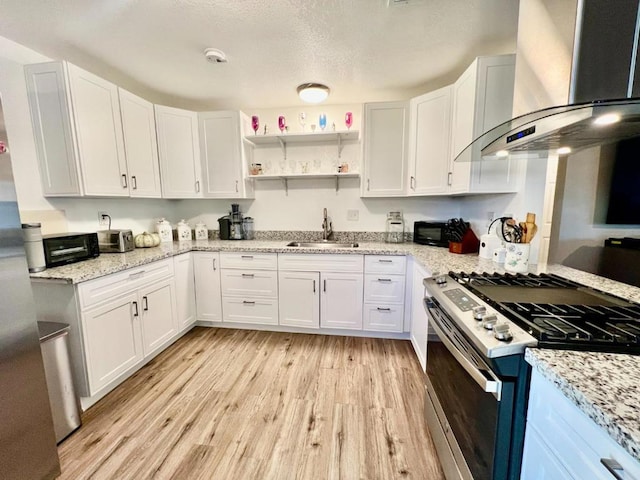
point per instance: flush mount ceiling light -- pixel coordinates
(607, 119)
(215, 56)
(313, 92)
(502, 153)
(564, 150)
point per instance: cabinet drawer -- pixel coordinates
(385, 264)
(109, 286)
(249, 260)
(383, 288)
(262, 311)
(249, 283)
(321, 262)
(383, 318)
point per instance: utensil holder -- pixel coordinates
(517, 258)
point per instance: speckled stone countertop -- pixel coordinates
(605, 386)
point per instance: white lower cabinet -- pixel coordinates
(158, 313)
(419, 317)
(206, 267)
(341, 300)
(185, 290)
(261, 311)
(561, 442)
(112, 337)
(299, 299)
(384, 281)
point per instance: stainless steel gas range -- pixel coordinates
(477, 379)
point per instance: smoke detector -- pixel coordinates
(215, 56)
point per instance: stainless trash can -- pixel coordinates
(57, 368)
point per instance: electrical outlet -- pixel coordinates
(490, 216)
(353, 215)
(103, 219)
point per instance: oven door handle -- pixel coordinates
(493, 386)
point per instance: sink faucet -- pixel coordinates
(327, 227)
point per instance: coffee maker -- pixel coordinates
(236, 232)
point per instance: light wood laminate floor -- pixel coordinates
(237, 404)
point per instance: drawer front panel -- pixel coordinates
(383, 318)
(249, 260)
(249, 283)
(383, 288)
(309, 262)
(389, 264)
(263, 311)
(110, 286)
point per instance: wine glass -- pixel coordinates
(348, 119)
(255, 124)
(302, 117)
(281, 123)
(322, 121)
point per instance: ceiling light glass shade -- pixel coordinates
(607, 119)
(564, 150)
(313, 92)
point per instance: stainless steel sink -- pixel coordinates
(325, 244)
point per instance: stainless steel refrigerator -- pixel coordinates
(27, 440)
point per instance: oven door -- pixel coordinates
(462, 402)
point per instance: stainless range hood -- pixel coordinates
(604, 67)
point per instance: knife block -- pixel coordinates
(469, 244)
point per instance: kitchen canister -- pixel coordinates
(163, 227)
(32, 236)
(184, 231)
(517, 257)
(247, 226)
(201, 231)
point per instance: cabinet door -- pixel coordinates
(179, 152)
(341, 300)
(158, 313)
(185, 290)
(96, 110)
(429, 142)
(462, 118)
(53, 129)
(385, 149)
(299, 299)
(140, 144)
(419, 316)
(221, 149)
(112, 340)
(206, 268)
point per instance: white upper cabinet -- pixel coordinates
(140, 144)
(429, 140)
(78, 131)
(179, 152)
(385, 149)
(222, 150)
(482, 100)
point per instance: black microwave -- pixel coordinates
(63, 248)
(431, 233)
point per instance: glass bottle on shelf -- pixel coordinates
(395, 228)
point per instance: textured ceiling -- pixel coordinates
(362, 49)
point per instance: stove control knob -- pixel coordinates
(501, 332)
(441, 280)
(479, 312)
(489, 321)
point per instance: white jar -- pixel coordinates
(163, 227)
(184, 231)
(201, 231)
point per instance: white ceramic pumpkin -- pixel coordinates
(146, 240)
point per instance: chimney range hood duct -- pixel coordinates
(604, 91)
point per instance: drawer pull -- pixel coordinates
(386, 280)
(135, 312)
(248, 275)
(247, 302)
(380, 309)
(246, 256)
(615, 469)
(385, 261)
(136, 274)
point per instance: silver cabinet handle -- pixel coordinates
(324, 285)
(314, 286)
(385, 261)
(124, 181)
(450, 178)
(247, 302)
(214, 264)
(380, 309)
(145, 304)
(135, 275)
(385, 280)
(197, 186)
(412, 183)
(615, 469)
(368, 184)
(236, 186)
(248, 275)
(134, 182)
(246, 256)
(135, 312)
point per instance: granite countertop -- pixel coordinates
(605, 386)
